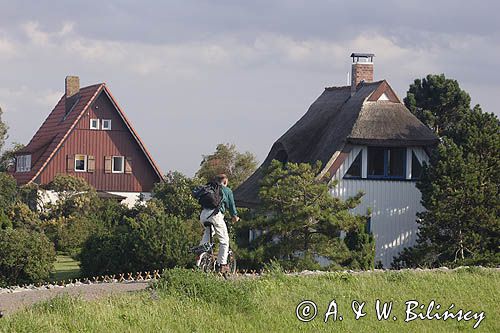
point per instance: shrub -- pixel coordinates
(147, 242)
(25, 256)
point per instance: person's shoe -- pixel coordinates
(223, 269)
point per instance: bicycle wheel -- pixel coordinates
(206, 262)
(231, 261)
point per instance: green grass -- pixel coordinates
(65, 268)
(189, 302)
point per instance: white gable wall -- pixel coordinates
(393, 205)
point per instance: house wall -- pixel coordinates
(393, 205)
(131, 198)
(99, 143)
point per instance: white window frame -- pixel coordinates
(113, 164)
(92, 120)
(108, 128)
(23, 163)
(85, 160)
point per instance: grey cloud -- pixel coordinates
(247, 69)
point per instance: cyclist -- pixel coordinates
(219, 225)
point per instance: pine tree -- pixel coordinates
(438, 102)
(302, 220)
(461, 224)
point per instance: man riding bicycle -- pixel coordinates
(219, 225)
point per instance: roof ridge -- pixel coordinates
(363, 84)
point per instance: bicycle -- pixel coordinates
(207, 258)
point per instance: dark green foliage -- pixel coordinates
(303, 220)
(25, 257)
(226, 159)
(76, 214)
(438, 102)
(5, 222)
(461, 224)
(22, 216)
(175, 194)
(209, 288)
(3, 130)
(151, 240)
(8, 191)
(362, 250)
(8, 197)
(7, 159)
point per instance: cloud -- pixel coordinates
(35, 35)
(247, 69)
(7, 47)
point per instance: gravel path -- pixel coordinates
(10, 302)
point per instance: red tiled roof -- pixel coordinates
(58, 125)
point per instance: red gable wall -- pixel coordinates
(100, 143)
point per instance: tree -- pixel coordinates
(461, 224)
(74, 196)
(226, 159)
(25, 257)
(303, 220)
(70, 220)
(175, 195)
(8, 191)
(7, 159)
(8, 197)
(438, 102)
(3, 131)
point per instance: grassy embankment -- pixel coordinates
(194, 302)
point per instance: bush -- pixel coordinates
(148, 242)
(25, 257)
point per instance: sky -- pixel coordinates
(192, 74)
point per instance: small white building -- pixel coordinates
(368, 141)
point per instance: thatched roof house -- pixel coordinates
(373, 116)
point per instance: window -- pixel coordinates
(23, 163)
(80, 163)
(94, 124)
(389, 163)
(396, 159)
(118, 164)
(376, 161)
(106, 124)
(355, 168)
(416, 167)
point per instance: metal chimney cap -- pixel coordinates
(362, 55)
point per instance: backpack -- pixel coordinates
(209, 196)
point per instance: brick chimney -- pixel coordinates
(72, 90)
(362, 69)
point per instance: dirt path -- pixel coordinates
(10, 302)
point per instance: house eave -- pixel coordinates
(393, 142)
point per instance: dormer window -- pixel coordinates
(355, 169)
(94, 124)
(23, 163)
(386, 163)
(106, 124)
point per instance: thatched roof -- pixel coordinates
(337, 118)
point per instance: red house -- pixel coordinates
(87, 135)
